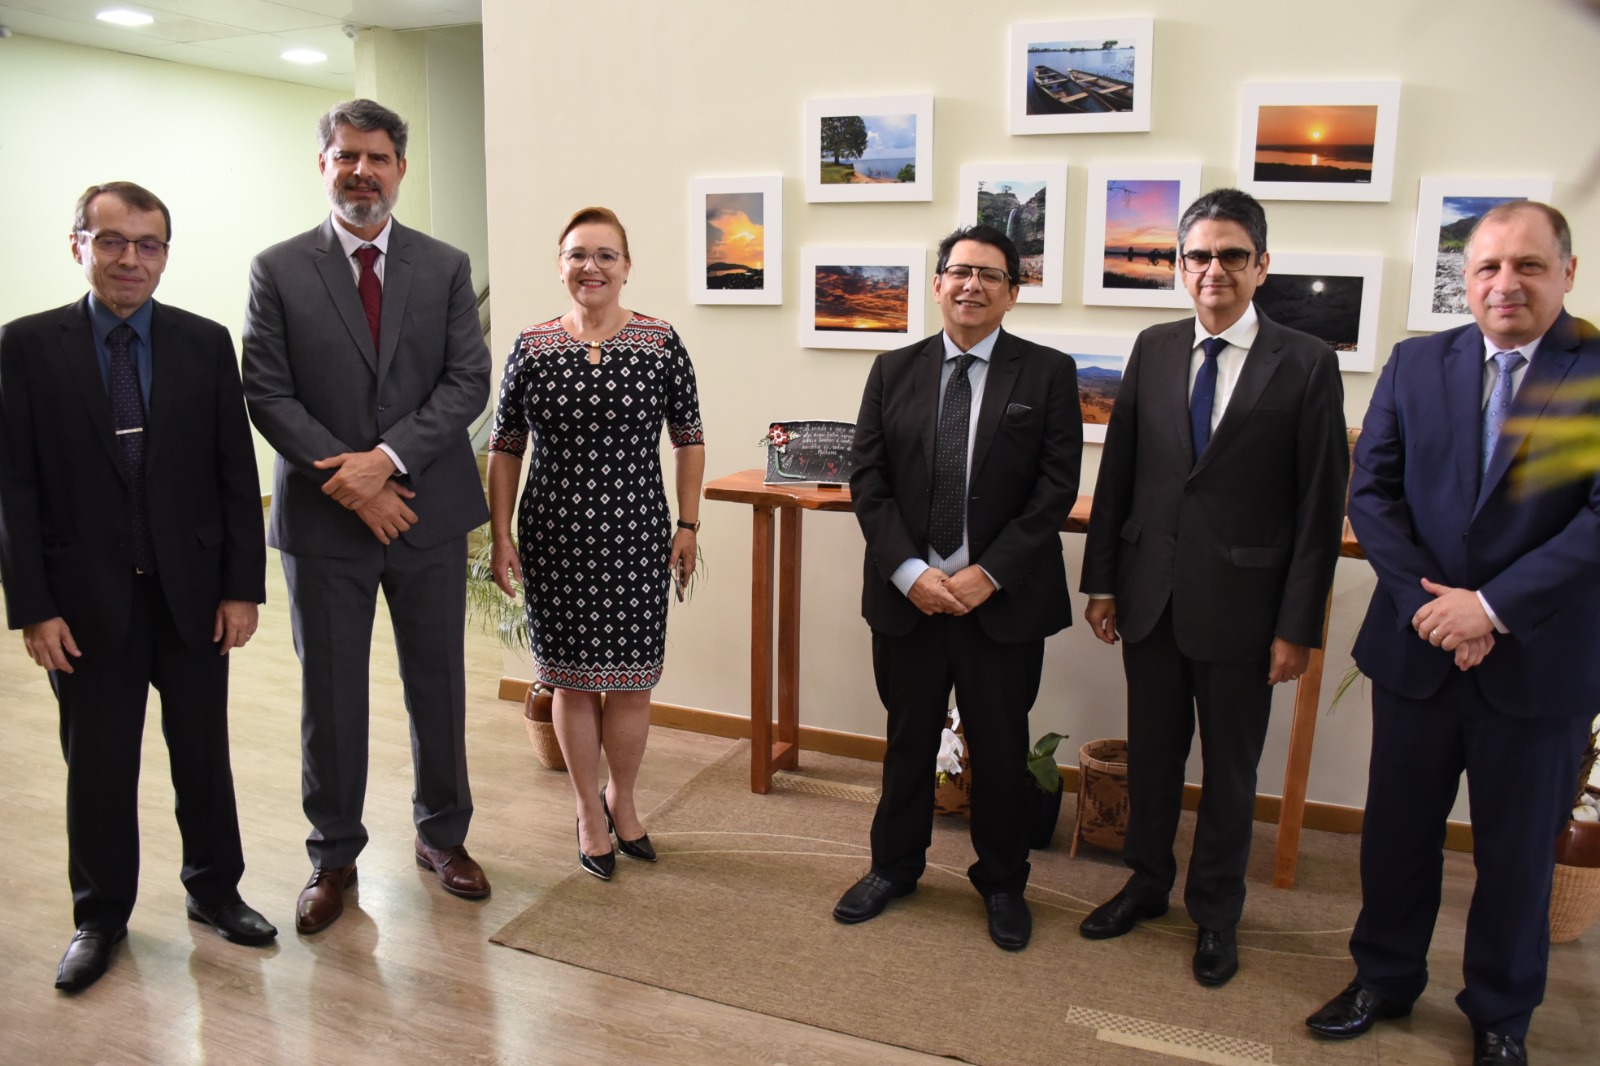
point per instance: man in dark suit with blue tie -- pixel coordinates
(1482, 633)
(132, 555)
(967, 452)
(364, 366)
(1211, 548)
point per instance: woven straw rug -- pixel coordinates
(738, 912)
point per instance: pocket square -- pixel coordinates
(1015, 409)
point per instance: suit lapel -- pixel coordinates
(1554, 358)
(1260, 363)
(341, 285)
(925, 395)
(1005, 363)
(1462, 370)
(1172, 387)
(77, 351)
(397, 272)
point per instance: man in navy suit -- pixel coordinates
(967, 452)
(1481, 636)
(132, 554)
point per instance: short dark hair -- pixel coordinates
(983, 235)
(1558, 222)
(585, 215)
(1227, 205)
(363, 115)
(135, 196)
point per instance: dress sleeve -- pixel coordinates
(510, 432)
(683, 400)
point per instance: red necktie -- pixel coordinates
(370, 288)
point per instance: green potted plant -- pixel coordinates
(1045, 776)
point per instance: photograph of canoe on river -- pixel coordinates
(1080, 77)
(1089, 76)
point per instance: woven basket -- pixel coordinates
(1102, 795)
(536, 716)
(1574, 902)
(952, 795)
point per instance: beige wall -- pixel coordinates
(579, 112)
(233, 157)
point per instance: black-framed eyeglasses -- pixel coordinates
(988, 277)
(1232, 260)
(114, 244)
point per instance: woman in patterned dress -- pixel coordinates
(597, 547)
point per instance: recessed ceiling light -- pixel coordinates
(304, 55)
(119, 17)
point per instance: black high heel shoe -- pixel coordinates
(602, 866)
(633, 849)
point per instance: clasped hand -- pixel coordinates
(358, 476)
(935, 592)
(1455, 621)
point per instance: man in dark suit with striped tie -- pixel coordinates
(132, 553)
(967, 452)
(1217, 516)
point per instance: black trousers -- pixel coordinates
(1167, 693)
(1521, 776)
(102, 706)
(995, 686)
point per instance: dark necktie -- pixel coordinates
(947, 519)
(1499, 405)
(370, 287)
(127, 418)
(1204, 396)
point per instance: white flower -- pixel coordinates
(1580, 813)
(949, 757)
(955, 718)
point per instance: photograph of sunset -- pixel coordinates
(1316, 142)
(862, 299)
(735, 248)
(1141, 243)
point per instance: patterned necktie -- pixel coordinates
(1499, 405)
(1204, 396)
(127, 418)
(370, 287)
(947, 520)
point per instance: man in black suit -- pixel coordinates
(132, 553)
(1211, 548)
(1481, 636)
(967, 452)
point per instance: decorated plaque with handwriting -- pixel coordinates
(809, 451)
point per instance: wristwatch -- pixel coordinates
(693, 527)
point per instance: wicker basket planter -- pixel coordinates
(1102, 795)
(536, 715)
(1575, 892)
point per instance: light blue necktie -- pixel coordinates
(1499, 405)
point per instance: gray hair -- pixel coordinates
(1500, 212)
(1227, 205)
(364, 115)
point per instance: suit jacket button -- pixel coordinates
(383, 407)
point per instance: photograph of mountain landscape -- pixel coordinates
(1017, 209)
(1100, 360)
(1026, 202)
(1447, 209)
(1457, 216)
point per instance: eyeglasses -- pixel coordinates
(604, 258)
(1232, 260)
(114, 244)
(988, 277)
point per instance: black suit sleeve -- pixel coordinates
(244, 548)
(872, 490)
(1322, 471)
(27, 591)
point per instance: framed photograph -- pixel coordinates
(1447, 209)
(1130, 244)
(1028, 203)
(1080, 77)
(1332, 297)
(1318, 140)
(869, 298)
(736, 240)
(1100, 361)
(872, 148)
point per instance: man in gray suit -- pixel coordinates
(364, 365)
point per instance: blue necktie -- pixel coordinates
(1204, 396)
(947, 517)
(127, 418)
(1499, 405)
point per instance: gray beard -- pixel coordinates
(362, 215)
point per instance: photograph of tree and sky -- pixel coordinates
(869, 149)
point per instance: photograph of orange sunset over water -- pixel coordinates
(1316, 142)
(862, 299)
(735, 244)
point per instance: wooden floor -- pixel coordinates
(407, 976)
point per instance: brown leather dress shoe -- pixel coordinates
(458, 874)
(322, 900)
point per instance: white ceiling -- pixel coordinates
(243, 36)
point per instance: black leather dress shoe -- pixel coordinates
(1117, 916)
(238, 922)
(640, 848)
(867, 897)
(86, 958)
(1010, 921)
(1216, 957)
(1493, 1049)
(1354, 1011)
